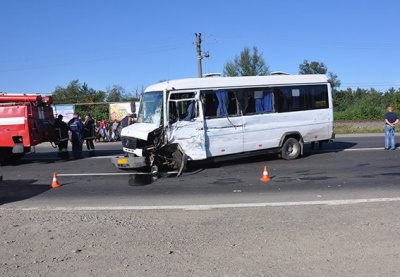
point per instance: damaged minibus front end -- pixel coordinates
(145, 143)
(146, 150)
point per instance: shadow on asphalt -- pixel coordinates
(17, 190)
(51, 157)
(141, 180)
(335, 146)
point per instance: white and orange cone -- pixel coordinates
(265, 177)
(55, 183)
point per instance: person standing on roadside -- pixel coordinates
(89, 133)
(61, 134)
(104, 130)
(115, 133)
(391, 120)
(126, 121)
(76, 127)
(96, 130)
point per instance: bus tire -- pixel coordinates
(290, 149)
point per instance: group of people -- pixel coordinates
(79, 131)
(103, 131)
(88, 130)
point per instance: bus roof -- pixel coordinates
(238, 82)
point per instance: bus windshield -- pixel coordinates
(150, 110)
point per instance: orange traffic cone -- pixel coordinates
(55, 183)
(265, 177)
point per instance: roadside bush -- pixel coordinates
(364, 104)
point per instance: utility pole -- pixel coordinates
(199, 56)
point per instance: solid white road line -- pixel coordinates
(208, 207)
(361, 149)
(101, 174)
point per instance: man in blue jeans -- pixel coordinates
(390, 122)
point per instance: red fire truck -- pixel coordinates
(25, 120)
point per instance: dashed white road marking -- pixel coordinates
(208, 207)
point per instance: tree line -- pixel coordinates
(89, 100)
(348, 104)
(362, 104)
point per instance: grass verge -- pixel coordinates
(357, 130)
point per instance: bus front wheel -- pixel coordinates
(290, 149)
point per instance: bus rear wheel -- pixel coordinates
(290, 149)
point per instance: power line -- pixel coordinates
(102, 58)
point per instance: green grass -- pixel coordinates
(356, 130)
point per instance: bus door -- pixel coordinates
(186, 123)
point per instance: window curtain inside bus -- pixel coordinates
(264, 101)
(258, 96)
(268, 102)
(222, 96)
(190, 111)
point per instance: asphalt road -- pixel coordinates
(349, 168)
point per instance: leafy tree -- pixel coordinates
(334, 81)
(68, 95)
(312, 68)
(84, 98)
(115, 94)
(247, 64)
(77, 93)
(359, 94)
(363, 104)
(392, 97)
(342, 100)
(92, 95)
(319, 68)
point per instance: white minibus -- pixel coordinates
(224, 117)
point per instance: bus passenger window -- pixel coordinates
(301, 98)
(232, 104)
(320, 97)
(286, 101)
(251, 105)
(210, 104)
(220, 103)
(260, 101)
(173, 113)
(182, 106)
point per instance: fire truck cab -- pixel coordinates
(25, 120)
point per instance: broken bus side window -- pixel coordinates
(182, 106)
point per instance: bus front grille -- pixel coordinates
(128, 142)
